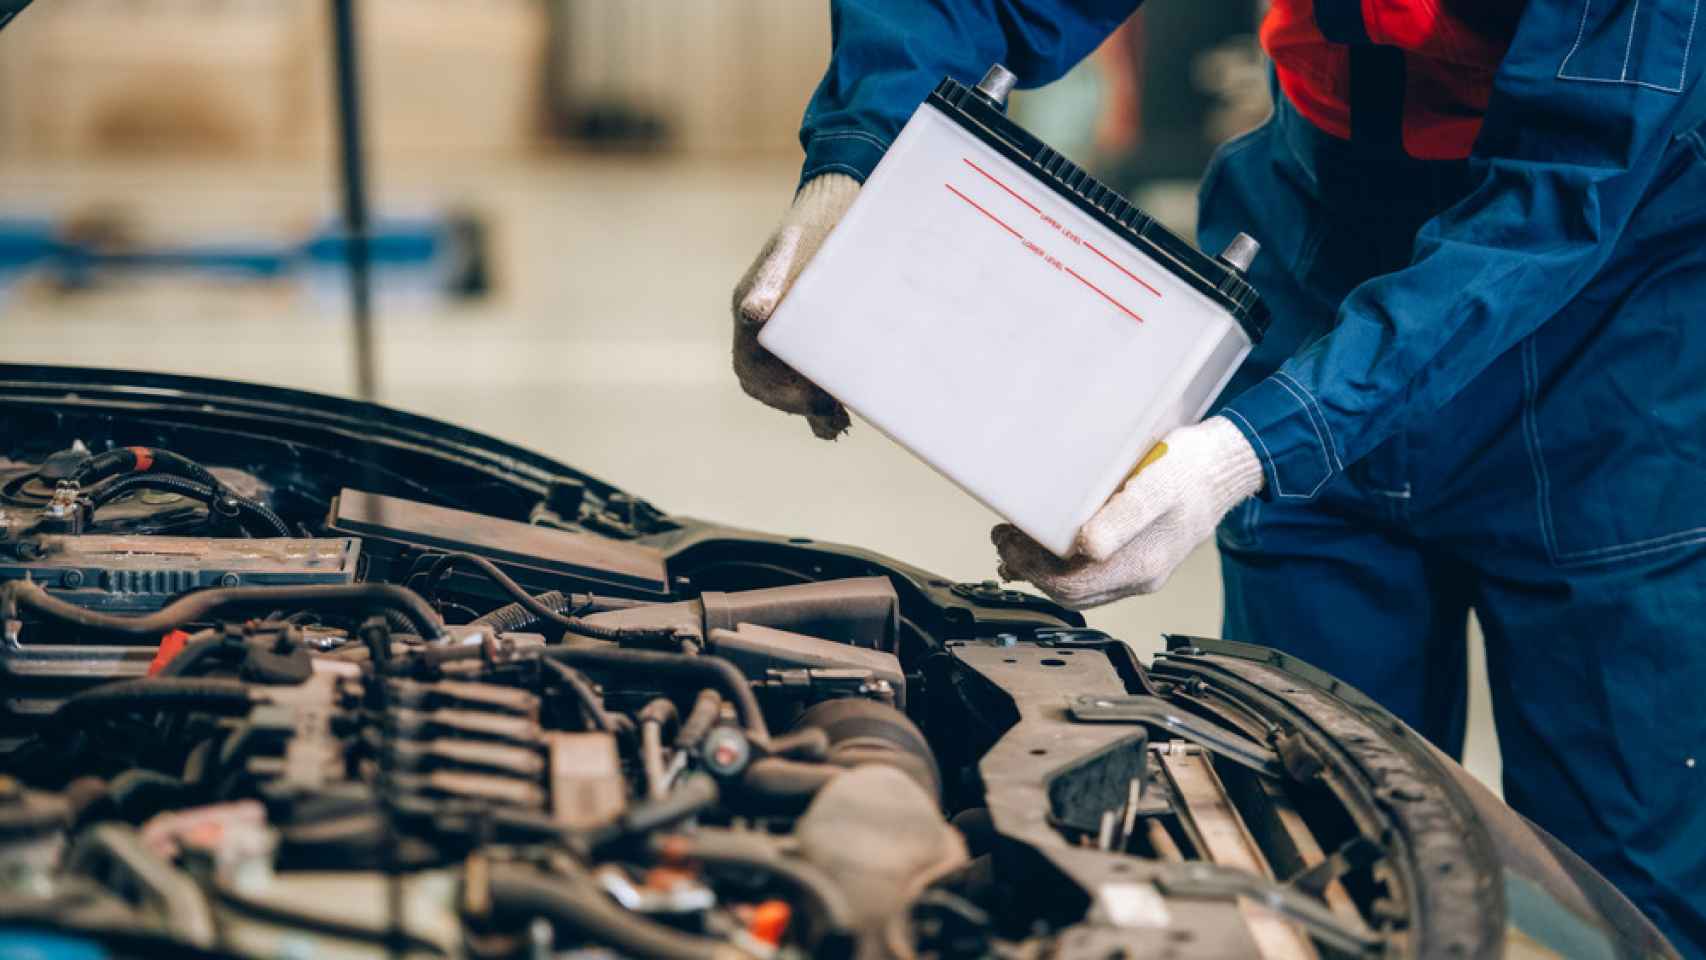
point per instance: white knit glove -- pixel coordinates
(817, 208)
(1141, 535)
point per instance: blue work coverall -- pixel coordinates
(1484, 388)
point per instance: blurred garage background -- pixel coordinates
(564, 193)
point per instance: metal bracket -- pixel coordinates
(1159, 713)
(1211, 882)
(1358, 852)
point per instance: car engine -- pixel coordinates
(289, 676)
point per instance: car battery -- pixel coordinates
(133, 574)
(1010, 320)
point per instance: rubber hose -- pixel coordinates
(205, 604)
(693, 794)
(856, 732)
(661, 711)
(787, 784)
(707, 709)
(156, 693)
(717, 846)
(523, 893)
(801, 743)
(205, 645)
(703, 670)
(651, 759)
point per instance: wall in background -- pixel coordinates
(704, 76)
(91, 79)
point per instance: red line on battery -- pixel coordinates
(1075, 274)
(1038, 211)
(1123, 308)
(1121, 269)
(986, 213)
(1034, 208)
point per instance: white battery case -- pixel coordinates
(1010, 321)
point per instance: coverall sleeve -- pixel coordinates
(887, 55)
(1570, 141)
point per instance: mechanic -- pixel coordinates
(1484, 387)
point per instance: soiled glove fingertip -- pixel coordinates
(1001, 535)
(1014, 549)
(831, 424)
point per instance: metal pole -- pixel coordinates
(354, 170)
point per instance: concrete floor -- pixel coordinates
(605, 345)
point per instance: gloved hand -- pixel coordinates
(817, 208)
(1141, 535)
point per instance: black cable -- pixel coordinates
(515, 618)
(397, 621)
(107, 492)
(153, 468)
(618, 634)
(703, 670)
(127, 460)
(541, 607)
(490, 571)
(205, 604)
(217, 499)
(590, 703)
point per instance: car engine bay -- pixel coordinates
(291, 676)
